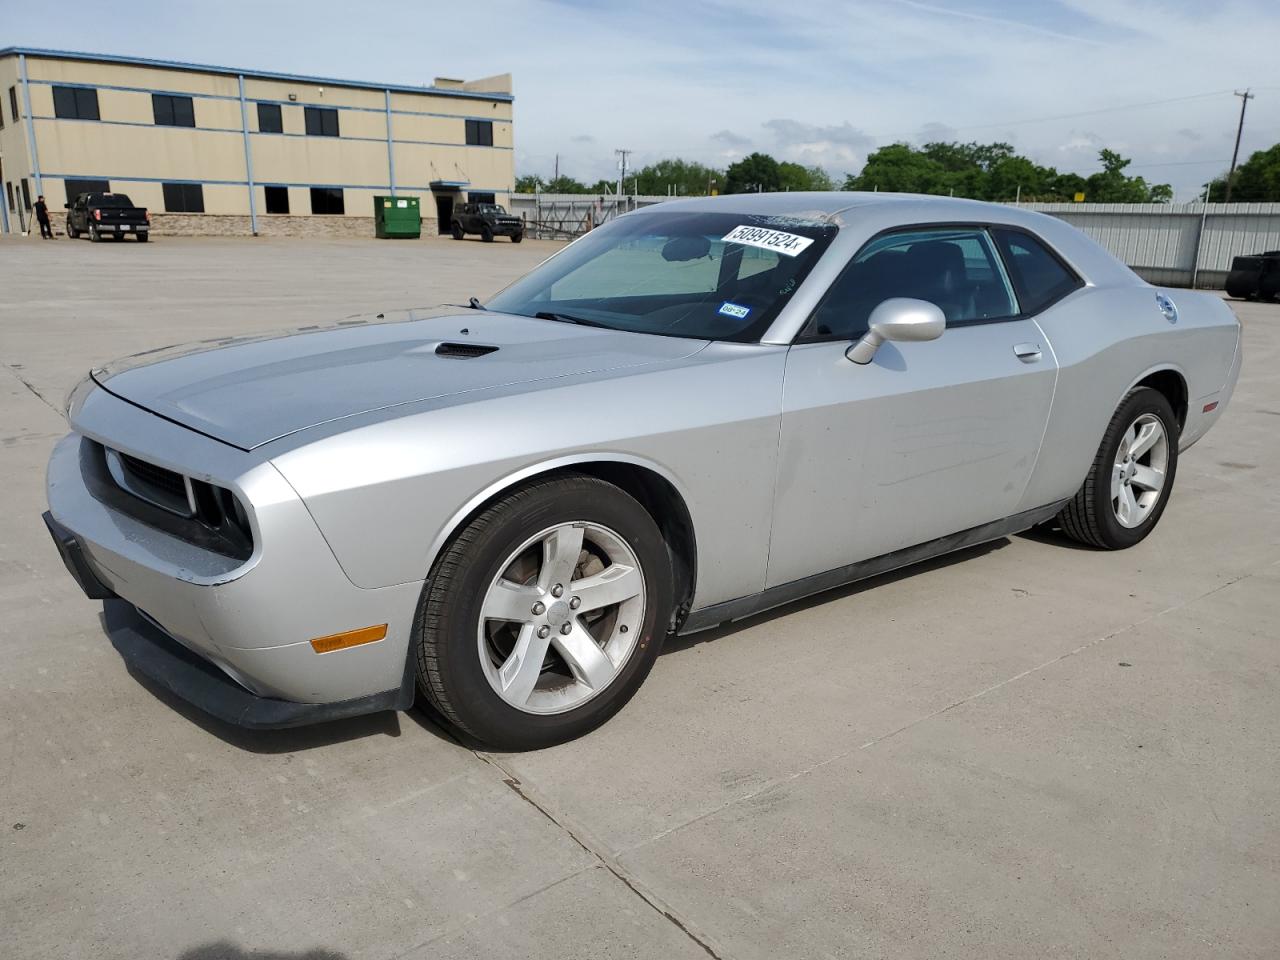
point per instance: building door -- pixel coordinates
(444, 212)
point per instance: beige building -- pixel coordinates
(222, 151)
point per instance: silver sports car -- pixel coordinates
(698, 412)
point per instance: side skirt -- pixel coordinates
(720, 613)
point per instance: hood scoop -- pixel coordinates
(464, 351)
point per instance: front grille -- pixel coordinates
(199, 512)
(148, 473)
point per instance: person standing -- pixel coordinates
(42, 214)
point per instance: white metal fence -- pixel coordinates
(1165, 243)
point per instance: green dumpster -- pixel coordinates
(396, 217)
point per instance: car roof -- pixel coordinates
(879, 211)
(837, 205)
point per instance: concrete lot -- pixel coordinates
(1028, 750)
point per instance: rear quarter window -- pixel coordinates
(1039, 276)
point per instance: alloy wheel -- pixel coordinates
(561, 619)
(1138, 474)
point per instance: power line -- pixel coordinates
(1082, 113)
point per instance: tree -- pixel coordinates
(1257, 180)
(529, 183)
(796, 176)
(992, 171)
(687, 178)
(753, 173)
(565, 184)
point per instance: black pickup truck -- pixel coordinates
(107, 215)
(487, 219)
(1256, 277)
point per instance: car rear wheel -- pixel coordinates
(456, 230)
(1132, 475)
(486, 234)
(143, 238)
(545, 614)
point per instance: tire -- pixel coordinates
(94, 235)
(142, 237)
(1094, 515)
(486, 234)
(517, 237)
(71, 231)
(463, 657)
(457, 232)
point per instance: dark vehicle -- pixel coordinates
(107, 215)
(487, 219)
(1256, 277)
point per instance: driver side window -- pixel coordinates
(955, 269)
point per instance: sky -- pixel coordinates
(815, 81)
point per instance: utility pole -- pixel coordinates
(1235, 154)
(622, 170)
(557, 168)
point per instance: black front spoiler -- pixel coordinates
(150, 652)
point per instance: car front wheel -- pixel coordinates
(94, 235)
(517, 237)
(1129, 483)
(71, 231)
(545, 614)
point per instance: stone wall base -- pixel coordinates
(274, 225)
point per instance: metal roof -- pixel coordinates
(257, 74)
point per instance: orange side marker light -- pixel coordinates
(1208, 407)
(350, 638)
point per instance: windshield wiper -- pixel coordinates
(475, 304)
(567, 318)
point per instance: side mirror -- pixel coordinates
(898, 318)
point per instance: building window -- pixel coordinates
(183, 198)
(77, 187)
(480, 133)
(13, 103)
(75, 103)
(26, 193)
(327, 200)
(173, 111)
(269, 120)
(321, 121)
(278, 199)
(12, 205)
(481, 198)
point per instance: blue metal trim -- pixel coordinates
(391, 152)
(33, 149)
(256, 75)
(268, 133)
(282, 103)
(274, 183)
(137, 123)
(248, 161)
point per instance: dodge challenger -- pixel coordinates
(700, 411)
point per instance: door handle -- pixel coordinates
(1027, 352)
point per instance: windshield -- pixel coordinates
(490, 208)
(109, 200)
(710, 276)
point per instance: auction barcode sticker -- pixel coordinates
(787, 244)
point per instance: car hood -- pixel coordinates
(250, 391)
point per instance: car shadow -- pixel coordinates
(1050, 533)
(226, 950)
(677, 644)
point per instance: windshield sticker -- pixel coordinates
(734, 310)
(787, 244)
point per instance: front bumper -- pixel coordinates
(251, 619)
